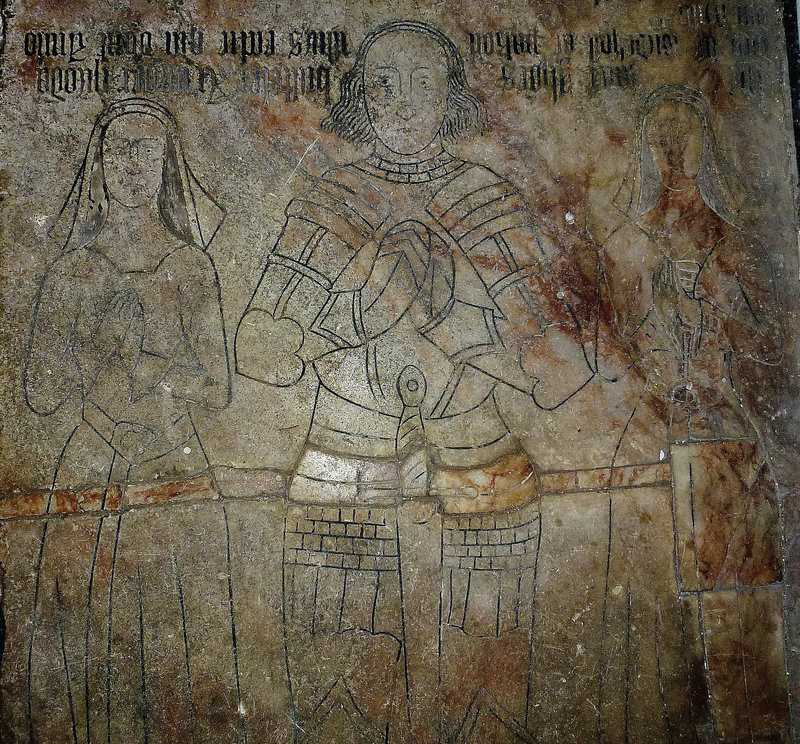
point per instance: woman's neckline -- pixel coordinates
(134, 239)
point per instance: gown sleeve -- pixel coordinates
(51, 371)
(200, 371)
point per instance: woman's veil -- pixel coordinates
(184, 206)
(717, 182)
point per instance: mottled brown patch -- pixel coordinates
(559, 482)
(739, 535)
(500, 486)
(201, 486)
(635, 475)
(615, 138)
(589, 480)
(745, 663)
(25, 505)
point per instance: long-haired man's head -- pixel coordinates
(407, 87)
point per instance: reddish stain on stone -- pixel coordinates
(114, 497)
(201, 486)
(744, 659)
(559, 482)
(25, 505)
(589, 480)
(28, 72)
(89, 499)
(640, 475)
(68, 501)
(736, 512)
(615, 138)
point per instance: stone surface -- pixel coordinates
(383, 373)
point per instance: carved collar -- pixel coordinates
(409, 170)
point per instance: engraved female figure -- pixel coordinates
(693, 293)
(128, 320)
(128, 326)
(413, 285)
(695, 301)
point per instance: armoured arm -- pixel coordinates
(293, 316)
(537, 347)
(536, 321)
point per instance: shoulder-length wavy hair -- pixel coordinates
(349, 118)
(716, 180)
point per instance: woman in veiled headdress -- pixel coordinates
(128, 323)
(695, 302)
(128, 320)
(693, 293)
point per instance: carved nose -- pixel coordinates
(407, 113)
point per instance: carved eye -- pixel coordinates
(117, 150)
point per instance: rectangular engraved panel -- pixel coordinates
(400, 373)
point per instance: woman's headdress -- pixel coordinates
(716, 180)
(184, 206)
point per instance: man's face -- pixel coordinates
(405, 86)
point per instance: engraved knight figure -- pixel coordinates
(412, 284)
